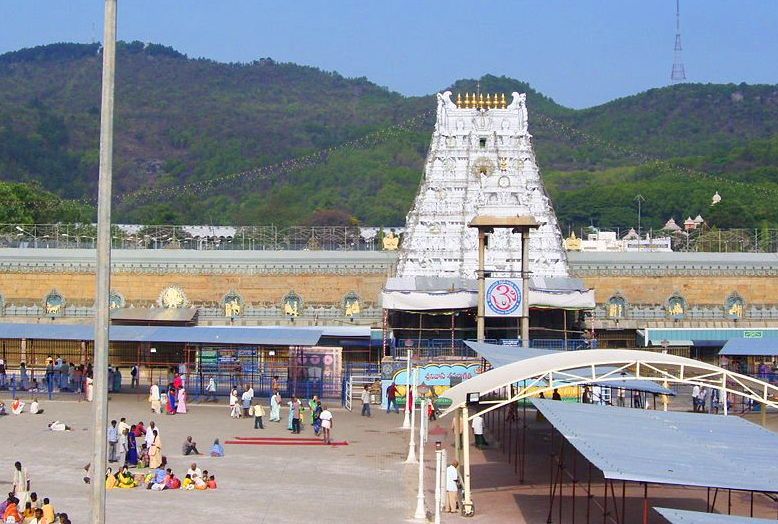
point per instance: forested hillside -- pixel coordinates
(204, 142)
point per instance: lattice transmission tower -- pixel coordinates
(678, 74)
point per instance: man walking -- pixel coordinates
(326, 425)
(695, 398)
(391, 398)
(452, 487)
(295, 407)
(366, 401)
(134, 375)
(478, 431)
(113, 441)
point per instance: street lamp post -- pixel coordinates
(103, 284)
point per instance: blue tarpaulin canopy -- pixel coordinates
(668, 447)
(498, 355)
(257, 336)
(745, 347)
(677, 516)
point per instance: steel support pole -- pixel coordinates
(103, 283)
(438, 469)
(407, 416)
(525, 288)
(468, 502)
(480, 326)
(421, 510)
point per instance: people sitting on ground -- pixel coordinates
(199, 483)
(217, 450)
(35, 408)
(125, 478)
(190, 447)
(34, 500)
(59, 426)
(12, 511)
(171, 482)
(17, 407)
(110, 479)
(48, 510)
(29, 512)
(34, 387)
(143, 456)
(187, 484)
(211, 482)
(2, 409)
(194, 471)
(158, 478)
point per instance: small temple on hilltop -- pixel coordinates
(480, 164)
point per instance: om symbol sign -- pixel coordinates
(503, 298)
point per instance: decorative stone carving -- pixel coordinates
(232, 304)
(293, 304)
(172, 297)
(116, 300)
(54, 303)
(494, 141)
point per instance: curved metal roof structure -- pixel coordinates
(603, 366)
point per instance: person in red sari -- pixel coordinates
(178, 382)
(171, 401)
(12, 510)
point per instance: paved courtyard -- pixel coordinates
(362, 482)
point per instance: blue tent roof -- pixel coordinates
(257, 336)
(743, 347)
(669, 447)
(677, 516)
(498, 355)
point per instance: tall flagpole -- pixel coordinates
(103, 284)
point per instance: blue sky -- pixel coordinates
(580, 52)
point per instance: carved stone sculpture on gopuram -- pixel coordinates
(480, 162)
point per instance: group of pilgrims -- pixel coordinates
(23, 506)
(171, 401)
(122, 447)
(243, 405)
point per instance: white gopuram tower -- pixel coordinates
(480, 162)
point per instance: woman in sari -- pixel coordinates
(155, 452)
(217, 450)
(110, 479)
(156, 405)
(171, 401)
(132, 448)
(275, 407)
(125, 479)
(89, 389)
(181, 408)
(316, 418)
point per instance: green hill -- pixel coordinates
(268, 142)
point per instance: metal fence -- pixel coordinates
(446, 347)
(256, 238)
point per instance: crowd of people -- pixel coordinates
(172, 400)
(160, 478)
(24, 506)
(318, 416)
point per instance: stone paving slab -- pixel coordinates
(362, 482)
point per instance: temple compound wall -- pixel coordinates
(632, 290)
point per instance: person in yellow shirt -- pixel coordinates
(48, 510)
(188, 483)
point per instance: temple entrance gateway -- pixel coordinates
(481, 213)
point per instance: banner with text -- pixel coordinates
(503, 297)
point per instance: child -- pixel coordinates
(187, 484)
(236, 412)
(211, 482)
(143, 459)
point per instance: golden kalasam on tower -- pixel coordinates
(479, 101)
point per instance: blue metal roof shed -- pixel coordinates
(238, 335)
(677, 516)
(750, 347)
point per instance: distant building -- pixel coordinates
(608, 241)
